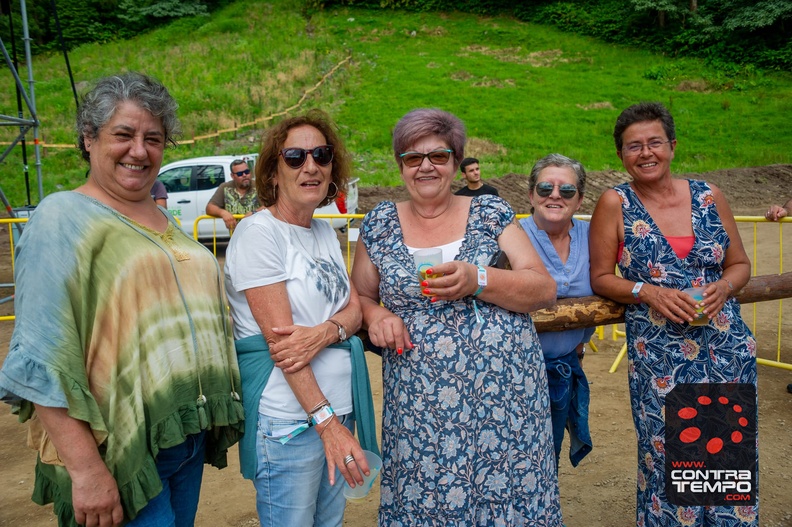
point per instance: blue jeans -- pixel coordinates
(292, 486)
(180, 468)
(569, 406)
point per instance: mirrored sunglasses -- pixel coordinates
(295, 157)
(436, 157)
(242, 172)
(545, 188)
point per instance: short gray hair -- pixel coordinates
(99, 105)
(560, 161)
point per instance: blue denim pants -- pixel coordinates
(180, 468)
(569, 405)
(292, 487)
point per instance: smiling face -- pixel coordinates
(303, 189)
(428, 182)
(126, 154)
(648, 164)
(554, 209)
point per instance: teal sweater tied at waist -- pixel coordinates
(255, 367)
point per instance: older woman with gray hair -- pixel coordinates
(122, 355)
(555, 189)
(466, 433)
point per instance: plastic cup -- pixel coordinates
(698, 295)
(426, 259)
(361, 491)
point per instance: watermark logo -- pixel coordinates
(710, 443)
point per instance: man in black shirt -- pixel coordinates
(472, 176)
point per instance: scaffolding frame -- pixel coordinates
(25, 123)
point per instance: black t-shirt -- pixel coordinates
(483, 189)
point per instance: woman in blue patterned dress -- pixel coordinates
(666, 235)
(466, 425)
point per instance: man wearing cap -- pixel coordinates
(237, 196)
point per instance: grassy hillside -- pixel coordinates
(523, 90)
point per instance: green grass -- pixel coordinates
(522, 90)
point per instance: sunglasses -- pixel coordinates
(295, 157)
(567, 190)
(436, 157)
(242, 172)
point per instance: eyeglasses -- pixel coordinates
(636, 148)
(242, 172)
(567, 190)
(436, 157)
(295, 157)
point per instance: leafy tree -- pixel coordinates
(158, 11)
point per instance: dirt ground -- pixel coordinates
(600, 492)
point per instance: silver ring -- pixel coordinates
(349, 459)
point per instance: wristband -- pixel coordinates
(481, 277)
(325, 412)
(637, 289)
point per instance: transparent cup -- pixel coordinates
(361, 491)
(698, 295)
(426, 259)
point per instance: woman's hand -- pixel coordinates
(389, 331)
(95, 497)
(458, 281)
(300, 345)
(674, 304)
(715, 296)
(338, 444)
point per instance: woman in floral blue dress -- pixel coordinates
(667, 235)
(466, 435)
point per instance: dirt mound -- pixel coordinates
(749, 190)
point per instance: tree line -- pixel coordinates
(729, 34)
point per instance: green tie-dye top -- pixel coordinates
(127, 329)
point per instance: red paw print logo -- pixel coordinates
(692, 433)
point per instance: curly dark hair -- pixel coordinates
(272, 144)
(638, 113)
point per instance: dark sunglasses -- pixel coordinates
(567, 190)
(295, 157)
(436, 157)
(242, 172)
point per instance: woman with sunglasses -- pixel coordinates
(666, 235)
(555, 189)
(305, 382)
(466, 421)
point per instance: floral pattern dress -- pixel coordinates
(466, 434)
(663, 354)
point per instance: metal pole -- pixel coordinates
(29, 63)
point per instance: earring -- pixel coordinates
(334, 193)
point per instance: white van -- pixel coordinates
(191, 183)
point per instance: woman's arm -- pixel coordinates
(385, 329)
(95, 495)
(301, 344)
(270, 307)
(605, 234)
(526, 287)
(736, 265)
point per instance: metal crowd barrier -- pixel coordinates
(348, 236)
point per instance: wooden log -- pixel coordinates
(590, 311)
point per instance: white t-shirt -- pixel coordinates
(265, 251)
